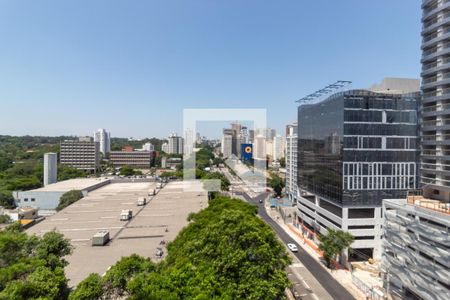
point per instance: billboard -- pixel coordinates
(246, 152)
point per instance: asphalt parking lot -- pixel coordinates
(161, 219)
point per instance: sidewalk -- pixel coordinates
(342, 275)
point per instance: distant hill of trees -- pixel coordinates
(21, 161)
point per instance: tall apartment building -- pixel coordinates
(435, 170)
(416, 248)
(236, 129)
(175, 144)
(165, 147)
(104, 139)
(416, 257)
(50, 168)
(278, 147)
(356, 148)
(259, 152)
(81, 154)
(259, 147)
(269, 148)
(227, 141)
(251, 136)
(189, 141)
(245, 139)
(135, 159)
(291, 161)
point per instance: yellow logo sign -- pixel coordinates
(248, 149)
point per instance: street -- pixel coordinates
(329, 287)
(334, 288)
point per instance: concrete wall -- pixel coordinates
(42, 199)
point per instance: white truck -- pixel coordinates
(126, 214)
(141, 201)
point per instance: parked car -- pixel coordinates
(292, 247)
(260, 201)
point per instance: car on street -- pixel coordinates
(260, 201)
(292, 247)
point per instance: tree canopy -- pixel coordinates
(226, 252)
(68, 198)
(276, 183)
(333, 243)
(32, 267)
(129, 171)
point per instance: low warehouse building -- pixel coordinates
(47, 198)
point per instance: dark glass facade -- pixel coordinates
(359, 147)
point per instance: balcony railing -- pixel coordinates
(430, 123)
(429, 152)
(445, 92)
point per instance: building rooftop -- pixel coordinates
(396, 85)
(71, 184)
(160, 219)
(436, 205)
(418, 205)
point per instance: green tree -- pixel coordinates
(66, 172)
(226, 252)
(117, 277)
(282, 162)
(217, 161)
(276, 183)
(5, 219)
(68, 198)
(333, 243)
(52, 248)
(6, 199)
(129, 171)
(32, 267)
(88, 289)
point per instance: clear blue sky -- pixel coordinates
(69, 67)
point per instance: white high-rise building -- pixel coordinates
(165, 147)
(189, 142)
(104, 139)
(278, 147)
(259, 147)
(245, 139)
(291, 161)
(50, 168)
(148, 147)
(198, 138)
(269, 148)
(175, 144)
(227, 142)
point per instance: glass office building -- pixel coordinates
(358, 147)
(355, 149)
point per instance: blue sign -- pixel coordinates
(246, 151)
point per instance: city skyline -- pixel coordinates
(144, 62)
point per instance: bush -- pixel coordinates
(68, 198)
(88, 289)
(5, 219)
